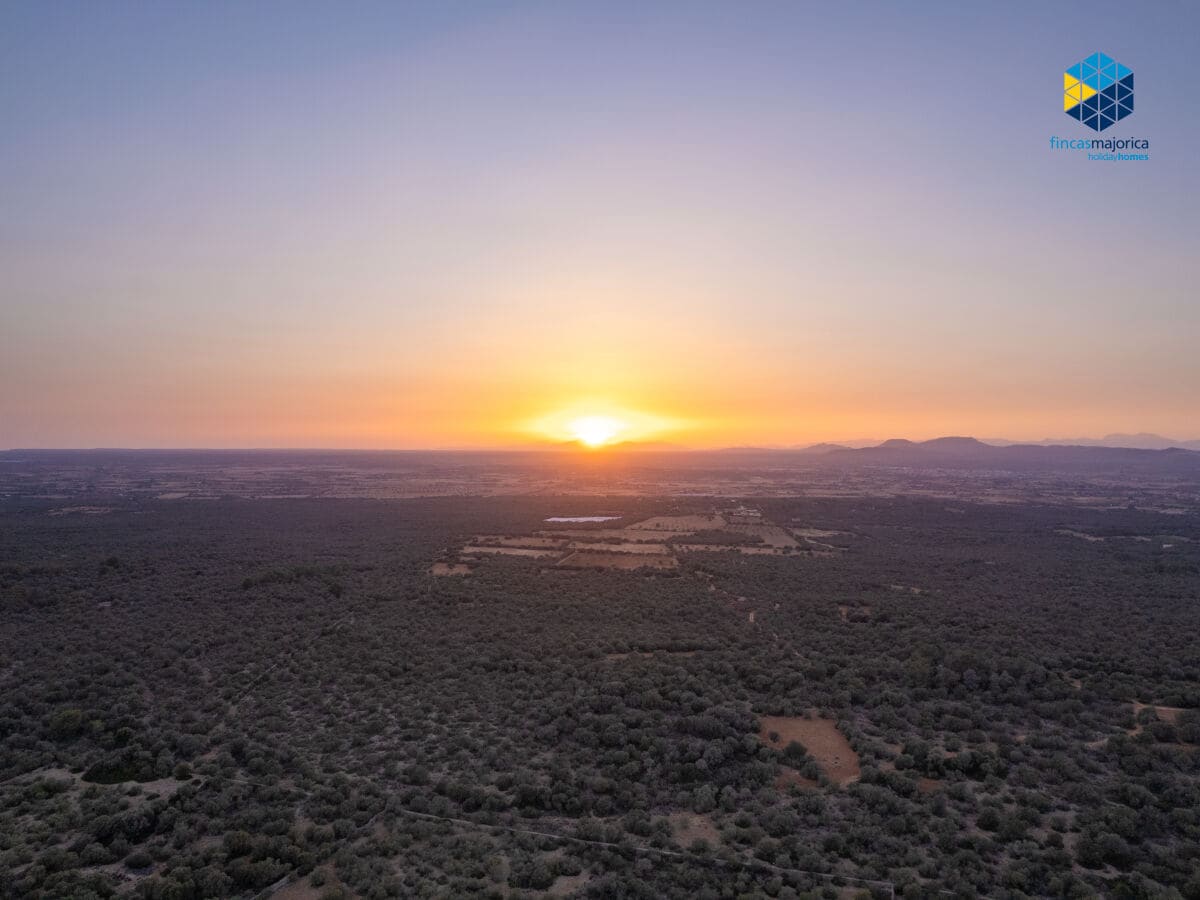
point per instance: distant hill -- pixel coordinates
(969, 452)
(1143, 440)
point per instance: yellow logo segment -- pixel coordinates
(1075, 92)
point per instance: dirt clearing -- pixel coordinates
(691, 827)
(80, 510)
(816, 532)
(1070, 532)
(569, 519)
(854, 613)
(441, 568)
(1165, 713)
(822, 740)
(788, 776)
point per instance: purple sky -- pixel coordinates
(404, 225)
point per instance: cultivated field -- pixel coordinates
(639, 545)
(588, 559)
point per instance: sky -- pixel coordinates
(472, 224)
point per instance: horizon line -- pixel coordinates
(628, 446)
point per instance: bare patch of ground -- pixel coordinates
(849, 613)
(1079, 534)
(826, 550)
(928, 785)
(690, 827)
(822, 740)
(816, 532)
(585, 559)
(1164, 713)
(441, 568)
(566, 885)
(788, 777)
(162, 787)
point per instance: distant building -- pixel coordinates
(742, 515)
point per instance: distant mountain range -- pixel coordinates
(971, 453)
(1141, 441)
(952, 456)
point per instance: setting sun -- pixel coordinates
(596, 431)
(600, 422)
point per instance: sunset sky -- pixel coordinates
(471, 224)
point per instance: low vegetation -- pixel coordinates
(189, 708)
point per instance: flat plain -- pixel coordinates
(329, 696)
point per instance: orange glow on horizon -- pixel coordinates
(596, 431)
(596, 425)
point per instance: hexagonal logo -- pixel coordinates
(1098, 91)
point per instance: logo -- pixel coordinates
(1098, 91)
